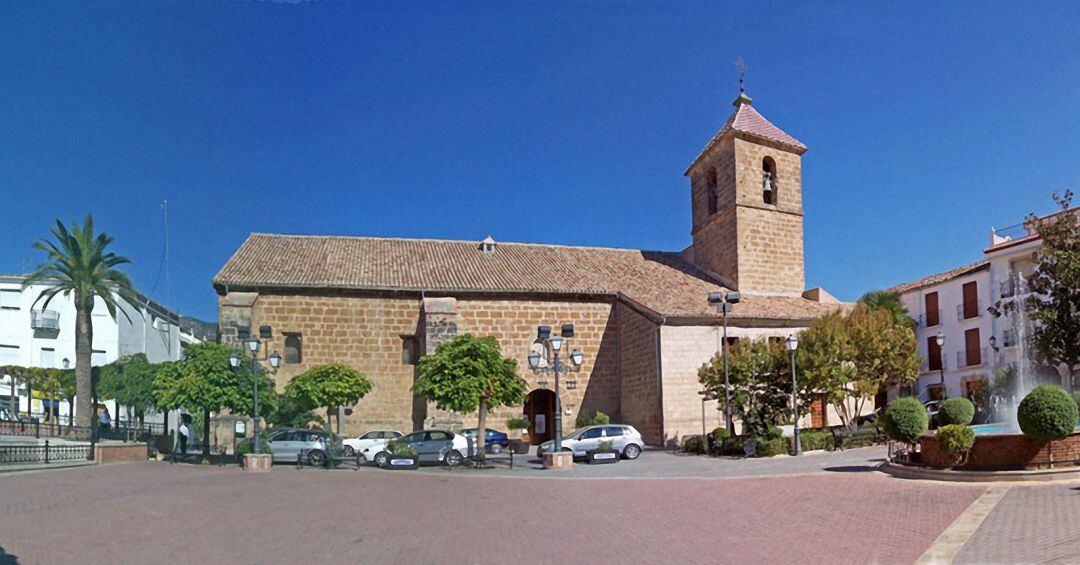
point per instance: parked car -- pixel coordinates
(312, 446)
(7, 416)
(432, 446)
(369, 444)
(624, 439)
(494, 440)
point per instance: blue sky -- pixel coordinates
(557, 123)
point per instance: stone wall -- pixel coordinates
(639, 364)
(368, 333)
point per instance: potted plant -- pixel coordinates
(604, 453)
(517, 427)
(402, 456)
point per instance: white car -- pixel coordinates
(369, 444)
(624, 439)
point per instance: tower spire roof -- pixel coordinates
(747, 120)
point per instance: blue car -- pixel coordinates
(494, 442)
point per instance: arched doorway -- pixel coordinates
(540, 411)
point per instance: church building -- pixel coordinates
(642, 318)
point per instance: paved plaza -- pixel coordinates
(820, 508)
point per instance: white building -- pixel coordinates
(31, 336)
(954, 305)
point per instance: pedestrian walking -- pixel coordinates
(182, 434)
(104, 420)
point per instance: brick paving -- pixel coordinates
(139, 512)
(1030, 524)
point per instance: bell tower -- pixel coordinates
(746, 198)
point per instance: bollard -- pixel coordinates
(358, 456)
(37, 429)
(46, 452)
(299, 460)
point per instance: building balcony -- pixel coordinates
(971, 357)
(962, 314)
(45, 320)
(929, 319)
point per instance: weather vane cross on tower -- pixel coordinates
(739, 64)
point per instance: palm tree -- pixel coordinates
(79, 264)
(890, 301)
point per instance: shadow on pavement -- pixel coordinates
(7, 558)
(850, 469)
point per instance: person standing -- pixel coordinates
(182, 435)
(104, 420)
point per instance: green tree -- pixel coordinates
(1055, 286)
(79, 264)
(130, 382)
(760, 377)
(824, 360)
(469, 373)
(328, 386)
(203, 380)
(891, 303)
(886, 354)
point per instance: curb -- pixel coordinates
(945, 475)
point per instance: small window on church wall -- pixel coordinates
(710, 188)
(410, 350)
(768, 181)
(293, 348)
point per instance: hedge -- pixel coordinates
(1047, 413)
(693, 444)
(770, 447)
(956, 411)
(812, 440)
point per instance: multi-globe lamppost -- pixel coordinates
(723, 302)
(275, 361)
(552, 344)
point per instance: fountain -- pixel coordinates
(1025, 365)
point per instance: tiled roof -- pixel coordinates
(940, 277)
(747, 120)
(660, 281)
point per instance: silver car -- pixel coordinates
(624, 439)
(311, 445)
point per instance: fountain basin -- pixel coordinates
(998, 448)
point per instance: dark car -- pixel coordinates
(494, 441)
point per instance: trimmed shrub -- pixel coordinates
(246, 446)
(1076, 397)
(517, 424)
(768, 447)
(956, 440)
(693, 444)
(401, 449)
(773, 432)
(720, 434)
(1047, 413)
(956, 411)
(905, 420)
(601, 418)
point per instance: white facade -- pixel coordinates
(31, 336)
(1010, 252)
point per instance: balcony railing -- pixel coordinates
(45, 320)
(966, 358)
(1008, 338)
(927, 368)
(925, 319)
(961, 315)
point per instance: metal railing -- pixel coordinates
(960, 312)
(36, 454)
(924, 320)
(44, 319)
(964, 360)
(38, 429)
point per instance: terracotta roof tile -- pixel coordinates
(747, 120)
(940, 277)
(660, 281)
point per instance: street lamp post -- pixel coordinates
(793, 344)
(724, 303)
(275, 360)
(940, 339)
(553, 344)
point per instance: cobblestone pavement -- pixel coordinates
(139, 512)
(1030, 524)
